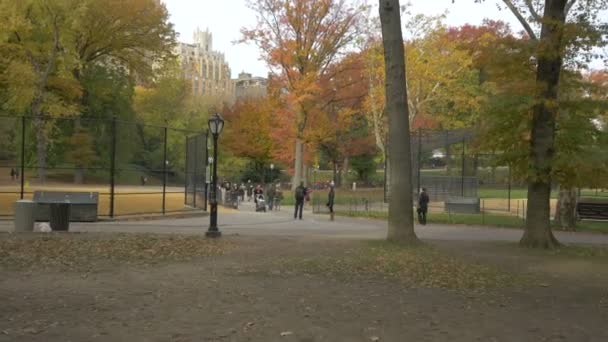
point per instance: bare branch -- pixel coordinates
(521, 19)
(569, 5)
(532, 10)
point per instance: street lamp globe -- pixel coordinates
(216, 124)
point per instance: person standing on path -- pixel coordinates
(423, 205)
(330, 200)
(300, 195)
(278, 197)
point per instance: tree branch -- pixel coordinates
(521, 19)
(569, 5)
(532, 10)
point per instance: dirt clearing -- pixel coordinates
(171, 288)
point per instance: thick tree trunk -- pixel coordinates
(538, 223)
(565, 211)
(297, 176)
(400, 212)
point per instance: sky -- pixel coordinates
(224, 18)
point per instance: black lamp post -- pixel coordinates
(271, 168)
(216, 124)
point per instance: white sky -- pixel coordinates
(224, 18)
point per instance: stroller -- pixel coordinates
(260, 203)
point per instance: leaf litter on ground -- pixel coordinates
(81, 251)
(420, 265)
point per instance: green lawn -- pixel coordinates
(503, 193)
(496, 220)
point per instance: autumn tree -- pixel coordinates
(300, 39)
(339, 130)
(400, 216)
(442, 83)
(566, 28)
(248, 133)
(134, 36)
(35, 52)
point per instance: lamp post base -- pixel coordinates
(213, 234)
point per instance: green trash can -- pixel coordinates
(25, 215)
(60, 216)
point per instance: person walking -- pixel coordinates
(300, 195)
(278, 197)
(423, 203)
(13, 174)
(330, 200)
(270, 193)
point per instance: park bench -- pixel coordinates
(83, 205)
(592, 209)
(462, 205)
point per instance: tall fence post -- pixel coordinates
(509, 191)
(195, 170)
(419, 157)
(112, 166)
(483, 212)
(22, 185)
(164, 167)
(462, 171)
(186, 172)
(207, 190)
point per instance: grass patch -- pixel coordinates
(78, 251)
(522, 193)
(420, 265)
(577, 251)
(495, 220)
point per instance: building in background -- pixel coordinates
(207, 70)
(248, 87)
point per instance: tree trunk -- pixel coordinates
(565, 211)
(538, 232)
(345, 167)
(297, 176)
(400, 213)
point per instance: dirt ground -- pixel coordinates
(255, 290)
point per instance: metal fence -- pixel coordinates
(136, 168)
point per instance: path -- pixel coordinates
(246, 221)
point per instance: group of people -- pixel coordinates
(273, 195)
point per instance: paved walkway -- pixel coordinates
(246, 221)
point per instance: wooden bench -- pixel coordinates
(83, 205)
(592, 209)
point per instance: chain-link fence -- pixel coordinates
(445, 165)
(135, 168)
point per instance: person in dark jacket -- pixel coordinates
(331, 195)
(423, 205)
(300, 195)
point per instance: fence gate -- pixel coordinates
(196, 163)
